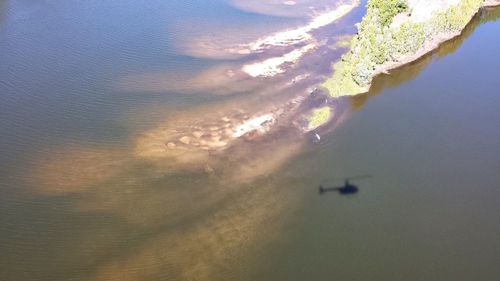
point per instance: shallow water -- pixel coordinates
(82, 82)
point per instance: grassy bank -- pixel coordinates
(383, 43)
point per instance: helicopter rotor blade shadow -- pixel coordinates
(358, 177)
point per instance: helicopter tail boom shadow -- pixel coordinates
(347, 189)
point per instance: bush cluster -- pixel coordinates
(387, 9)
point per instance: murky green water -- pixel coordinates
(82, 82)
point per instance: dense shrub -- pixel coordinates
(387, 9)
(408, 38)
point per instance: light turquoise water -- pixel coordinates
(81, 82)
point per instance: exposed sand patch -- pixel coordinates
(259, 123)
(422, 10)
(274, 66)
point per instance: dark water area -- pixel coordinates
(82, 82)
(428, 136)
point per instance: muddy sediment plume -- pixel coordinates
(227, 221)
(74, 169)
(208, 249)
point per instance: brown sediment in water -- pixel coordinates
(214, 127)
(191, 139)
(234, 145)
(217, 80)
(228, 221)
(75, 168)
(206, 245)
(206, 250)
(199, 139)
(233, 219)
(236, 141)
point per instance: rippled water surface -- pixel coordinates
(89, 89)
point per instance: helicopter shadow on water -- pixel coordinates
(347, 189)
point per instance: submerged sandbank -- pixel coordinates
(279, 106)
(233, 43)
(301, 34)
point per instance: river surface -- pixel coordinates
(98, 183)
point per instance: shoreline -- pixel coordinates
(428, 45)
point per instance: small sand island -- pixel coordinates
(397, 32)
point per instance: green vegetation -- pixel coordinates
(378, 42)
(318, 117)
(387, 9)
